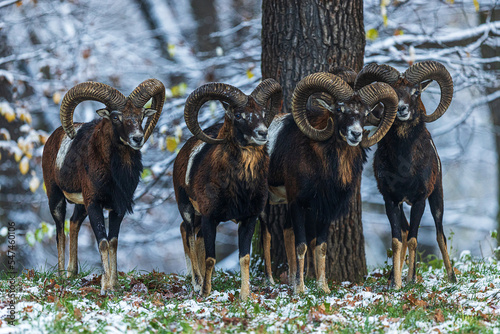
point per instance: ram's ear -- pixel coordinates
(424, 85)
(228, 110)
(324, 105)
(149, 112)
(103, 113)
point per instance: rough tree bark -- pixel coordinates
(489, 51)
(300, 38)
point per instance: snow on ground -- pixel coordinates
(153, 302)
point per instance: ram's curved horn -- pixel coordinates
(321, 82)
(432, 70)
(269, 89)
(211, 91)
(373, 94)
(95, 91)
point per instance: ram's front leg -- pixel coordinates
(115, 221)
(96, 218)
(245, 233)
(417, 210)
(393, 213)
(320, 255)
(298, 217)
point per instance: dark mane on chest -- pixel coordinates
(125, 175)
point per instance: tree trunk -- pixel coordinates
(489, 51)
(300, 38)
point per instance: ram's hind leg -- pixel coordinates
(185, 244)
(57, 206)
(436, 204)
(191, 251)
(417, 210)
(266, 236)
(209, 230)
(75, 223)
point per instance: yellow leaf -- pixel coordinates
(5, 134)
(450, 1)
(44, 187)
(372, 34)
(43, 138)
(9, 115)
(179, 90)
(476, 5)
(26, 117)
(148, 104)
(171, 50)
(56, 97)
(250, 75)
(385, 20)
(24, 165)
(34, 183)
(18, 155)
(172, 143)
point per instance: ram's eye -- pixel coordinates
(115, 118)
(237, 116)
(417, 93)
(339, 109)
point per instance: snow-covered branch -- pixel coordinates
(447, 40)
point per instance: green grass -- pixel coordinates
(154, 302)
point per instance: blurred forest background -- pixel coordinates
(48, 46)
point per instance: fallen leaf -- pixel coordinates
(438, 315)
(78, 314)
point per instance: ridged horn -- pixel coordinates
(373, 94)
(269, 89)
(321, 82)
(211, 91)
(150, 88)
(374, 72)
(345, 73)
(95, 91)
(432, 70)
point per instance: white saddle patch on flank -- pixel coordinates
(437, 156)
(64, 148)
(192, 156)
(274, 131)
